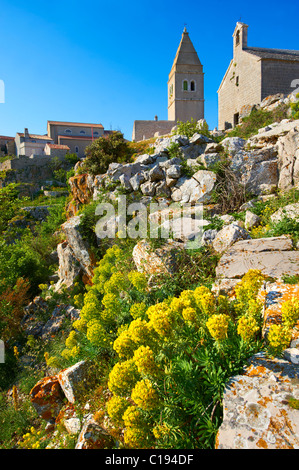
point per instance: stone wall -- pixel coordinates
(278, 76)
(23, 162)
(241, 86)
(146, 129)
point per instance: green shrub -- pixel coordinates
(295, 108)
(257, 119)
(104, 151)
(189, 128)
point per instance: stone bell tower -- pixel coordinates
(186, 84)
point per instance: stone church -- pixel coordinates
(185, 93)
(253, 74)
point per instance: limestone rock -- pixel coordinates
(69, 267)
(229, 235)
(274, 257)
(137, 180)
(47, 398)
(233, 145)
(174, 171)
(257, 169)
(208, 159)
(256, 413)
(199, 139)
(271, 99)
(292, 355)
(78, 246)
(251, 220)
(208, 237)
(291, 211)
(273, 295)
(37, 212)
(93, 436)
(185, 228)
(195, 189)
(156, 173)
(75, 380)
(288, 159)
(271, 136)
(156, 261)
(148, 188)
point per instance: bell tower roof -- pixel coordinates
(186, 53)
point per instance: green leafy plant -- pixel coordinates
(104, 151)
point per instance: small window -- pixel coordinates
(67, 131)
(237, 80)
(77, 149)
(82, 132)
(95, 133)
(192, 86)
(185, 85)
(238, 38)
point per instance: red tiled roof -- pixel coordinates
(79, 124)
(56, 146)
(6, 137)
(36, 136)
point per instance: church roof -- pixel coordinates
(275, 54)
(186, 54)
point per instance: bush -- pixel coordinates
(295, 108)
(104, 151)
(189, 128)
(257, 119)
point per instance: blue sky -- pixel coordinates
(109, 62)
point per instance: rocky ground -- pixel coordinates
(182, 170)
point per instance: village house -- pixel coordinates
(253, 74)
(75, 135)
(31, 144)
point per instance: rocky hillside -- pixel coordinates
(148, 343)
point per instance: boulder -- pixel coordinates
(271, 136)
(257, 169)
(148, 188)
(199, 139)
(185, 228)
(273, 295)
(233, 145)
(229, 235)
(256, 410)
(94, 436)
(156, 173)
(78, 246)
(288, 159)
(251, 220)
(156, 260)
(137, 180)
(271, 99)
(75, 380)
(39, 213)
(290, 211)
(47, 398)
(274, 257)
(194, 189)
(69, 267)
(174, 171)
(208, 159)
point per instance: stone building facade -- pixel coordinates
(75, 135)
(7, 145)
(185, 93)
(31, 144)
(253, 74)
